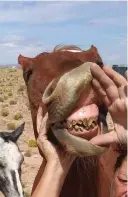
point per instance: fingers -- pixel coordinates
(123, 91)
(39, 118)
(101, 92)
(41, 122)
(126, 75)
(106, 83)
(105, 139)
(118, 79)
(100, 75)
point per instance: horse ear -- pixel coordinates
(25, 62)
(93, 48)
(16, 133)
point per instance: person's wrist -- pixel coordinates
(61, 167)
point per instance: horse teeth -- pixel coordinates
(90, 122)
(81, 129)
(81, 125)
(76, 127)
(94, 123)
(87, 128)
(74, 122)
(80, 122)
(85, 122)
(69, 125)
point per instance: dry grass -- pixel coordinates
(32, 143)
(5, 112)
(18, 116)
(1, 99)
(11, 125)
(13, 102)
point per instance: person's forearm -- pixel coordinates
(39, 175)
(51, 181)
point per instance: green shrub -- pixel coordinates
(10, 94)
(32, 143)
(18, 116)
(27, 193)
(5, 97)
(1, 99)
(13, 102)
(5, 105)
(11, 125)
(5, 112)
(23, 185)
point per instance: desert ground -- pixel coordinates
(14, 110)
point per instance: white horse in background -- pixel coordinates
(10, 163)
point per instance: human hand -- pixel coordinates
(112, 88)
(51, 153)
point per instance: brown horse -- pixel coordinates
(89, 176)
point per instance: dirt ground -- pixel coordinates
(14, 102)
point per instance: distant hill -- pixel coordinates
(8, 65)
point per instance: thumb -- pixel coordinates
(105, 139)
(39, 118)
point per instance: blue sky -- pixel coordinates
(29, 28)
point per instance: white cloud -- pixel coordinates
(117, 21)
(9, 44)
(39, 13)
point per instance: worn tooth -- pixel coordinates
(69, 124)
(80, 122)
(87, 128)
(90, 121)
(96, 119)
(76, 127)
(82, 129)
(79, 130)
(85, 122)
(94, 123)
(74, 122)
